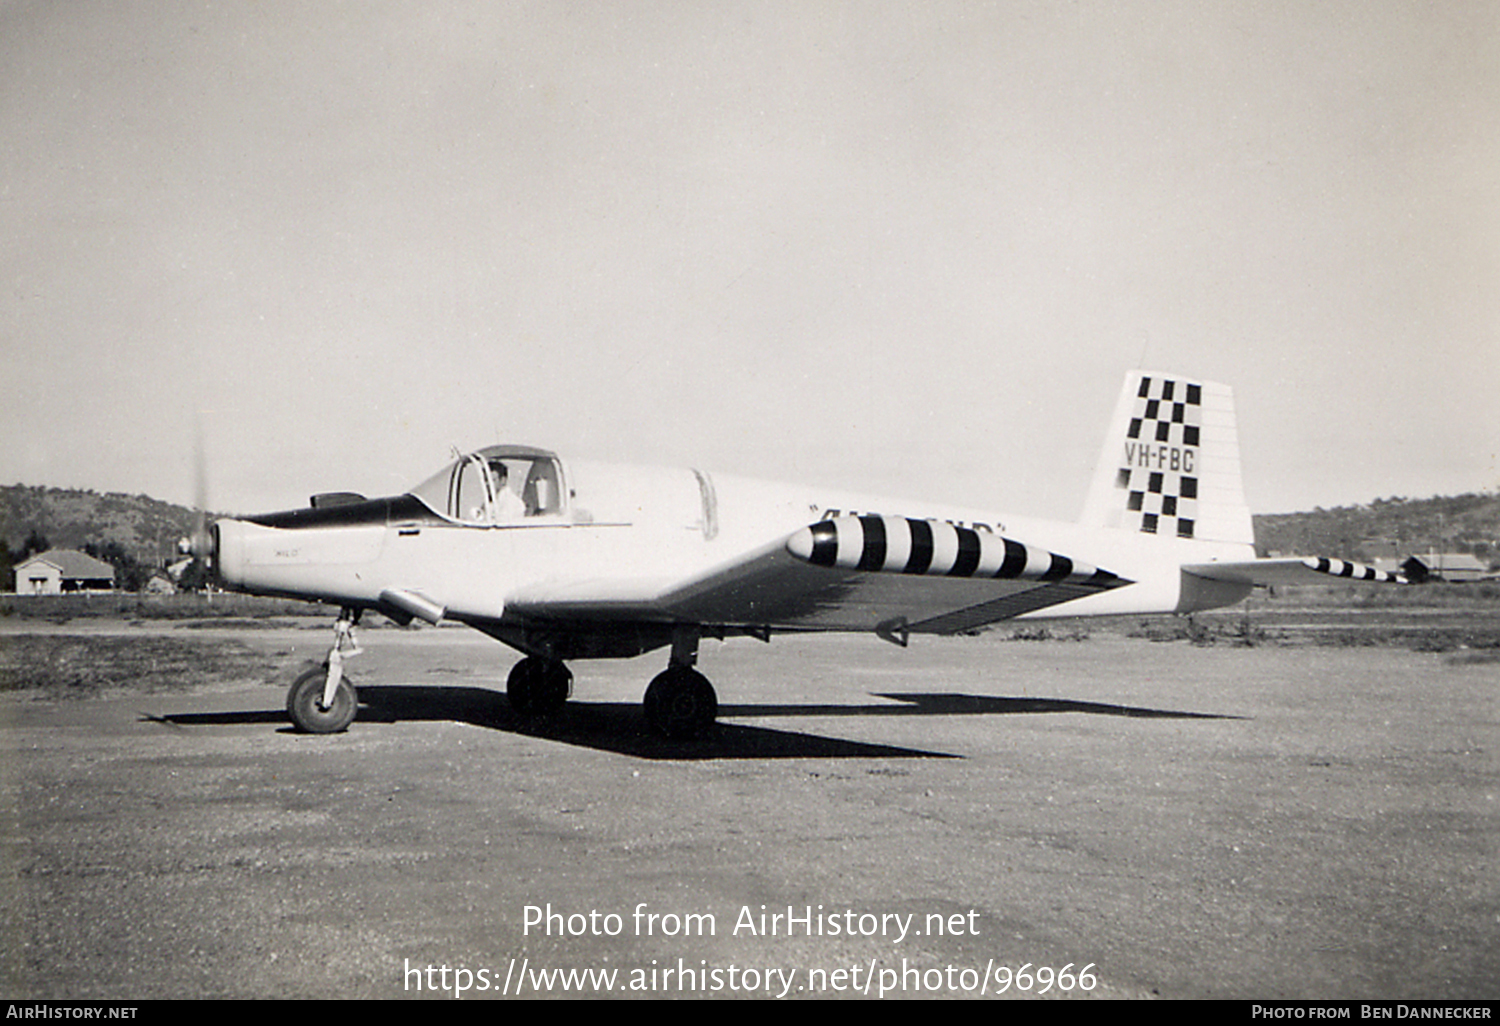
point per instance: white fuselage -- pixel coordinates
(634, 528)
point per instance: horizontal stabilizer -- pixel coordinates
(1294, 570)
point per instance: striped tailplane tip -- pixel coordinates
(902, 545)
(1351, 571)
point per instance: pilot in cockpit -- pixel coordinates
(508, 505)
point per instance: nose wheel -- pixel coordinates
(321, 700)
(310, 714)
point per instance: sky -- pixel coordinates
(909, 248)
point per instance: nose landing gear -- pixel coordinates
(321, 700)
(310, 714)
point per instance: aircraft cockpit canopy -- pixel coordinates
(500, 484)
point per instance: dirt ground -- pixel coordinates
(1121, 816)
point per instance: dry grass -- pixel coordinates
(118, 605)
(81, 666)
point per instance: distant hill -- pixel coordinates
(1387, 527)
(146, 528)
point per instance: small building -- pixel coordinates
(160, 583)
(59, 571)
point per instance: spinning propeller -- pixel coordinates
(199, 544)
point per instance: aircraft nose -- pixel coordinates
(228, 540)
(201, 544)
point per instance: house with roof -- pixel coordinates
(58, 571)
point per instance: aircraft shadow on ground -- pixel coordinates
(620, 727)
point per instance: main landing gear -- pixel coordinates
(538, 686)
(321, 700)
(680, 702)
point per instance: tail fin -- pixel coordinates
(1171, 463)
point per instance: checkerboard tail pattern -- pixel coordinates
(1170, 466)
(1159, 478)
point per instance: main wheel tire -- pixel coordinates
(680, 703)
(538, 686)
(304, 703)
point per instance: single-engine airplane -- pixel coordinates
(565, 560)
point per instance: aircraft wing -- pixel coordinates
(1293, 570)
(892, 575)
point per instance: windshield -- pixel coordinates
(501, 484)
